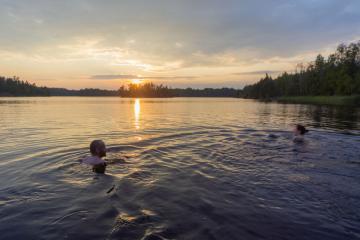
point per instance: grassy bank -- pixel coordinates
(323, 100)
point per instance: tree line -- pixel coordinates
(151, 90)
(16, 87)
(145, 90)
(339, 74)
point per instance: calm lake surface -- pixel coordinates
(182, 168)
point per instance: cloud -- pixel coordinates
(261, 72)
(112, 77)
(127, 77)
(174, 77)
(208, 26)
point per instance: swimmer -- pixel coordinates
(98, 151)
(299, 132)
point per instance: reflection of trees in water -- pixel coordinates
(296, 113)
(264, 113)
(335, 117)
(316, 113)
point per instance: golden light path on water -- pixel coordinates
(137, 110)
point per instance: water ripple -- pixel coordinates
(197, 176)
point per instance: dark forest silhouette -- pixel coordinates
(152, 90)
(337, 75)
(15, 87)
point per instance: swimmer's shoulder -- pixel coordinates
(92, 160)
(298, 139)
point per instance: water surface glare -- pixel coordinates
(182, 168)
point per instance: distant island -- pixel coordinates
(334, 81)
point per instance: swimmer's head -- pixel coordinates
(98, 148)
(300, 130)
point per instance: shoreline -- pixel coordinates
(353, 101)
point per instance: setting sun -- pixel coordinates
(136, 81)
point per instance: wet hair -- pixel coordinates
(301, 129)
(95, 146)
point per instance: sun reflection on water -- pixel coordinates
(137, 110)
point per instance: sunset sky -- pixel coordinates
(180, 43)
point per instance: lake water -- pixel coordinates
(182, 168)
